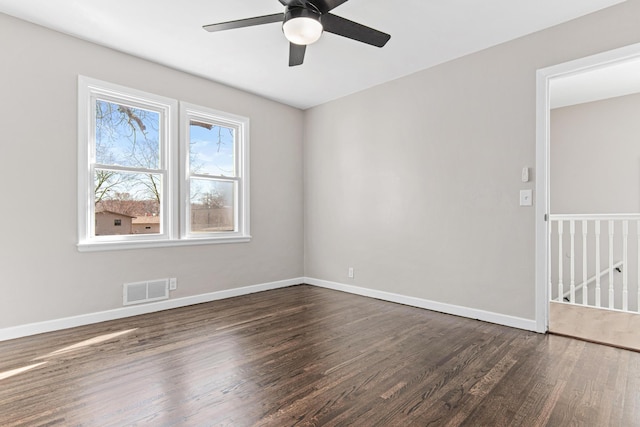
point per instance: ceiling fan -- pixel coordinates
(303, 22)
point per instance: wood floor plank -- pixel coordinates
(306, 356)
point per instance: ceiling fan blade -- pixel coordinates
(296, 54)
(325, 6)
(249, 22)
(352, 30)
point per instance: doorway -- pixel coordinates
(587, 248)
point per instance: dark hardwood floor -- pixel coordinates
(312, 357)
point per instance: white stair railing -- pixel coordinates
(581, 251)
(616, 267)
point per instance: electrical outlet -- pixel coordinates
(173, 284)
(350, 272)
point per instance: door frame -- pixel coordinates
(543, 79)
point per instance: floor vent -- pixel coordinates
(141, 292)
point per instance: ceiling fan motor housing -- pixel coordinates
(302, 25)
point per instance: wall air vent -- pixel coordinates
(141, 292)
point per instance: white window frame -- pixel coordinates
(173, 166)
(240, 125)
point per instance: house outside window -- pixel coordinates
(130, 153)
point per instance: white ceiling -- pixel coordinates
(423, 34)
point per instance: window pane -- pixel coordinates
(127, 203)
(211, 149)
(126, 136)
(212, 206)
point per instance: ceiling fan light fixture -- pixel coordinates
(302, 26)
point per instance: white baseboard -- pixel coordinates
(471, 313)
(118, 313)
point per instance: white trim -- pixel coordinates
(542, 204)
(145, 244)
(471, 313)
(119, 313)
(594, 217)
(543, 77)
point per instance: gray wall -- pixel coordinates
(595, 157)
(44, 276)
(415, 182)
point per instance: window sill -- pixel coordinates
(146, 244)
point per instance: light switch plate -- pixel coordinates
(526, 198)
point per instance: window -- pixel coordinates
(215, 159)
(133, 168)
